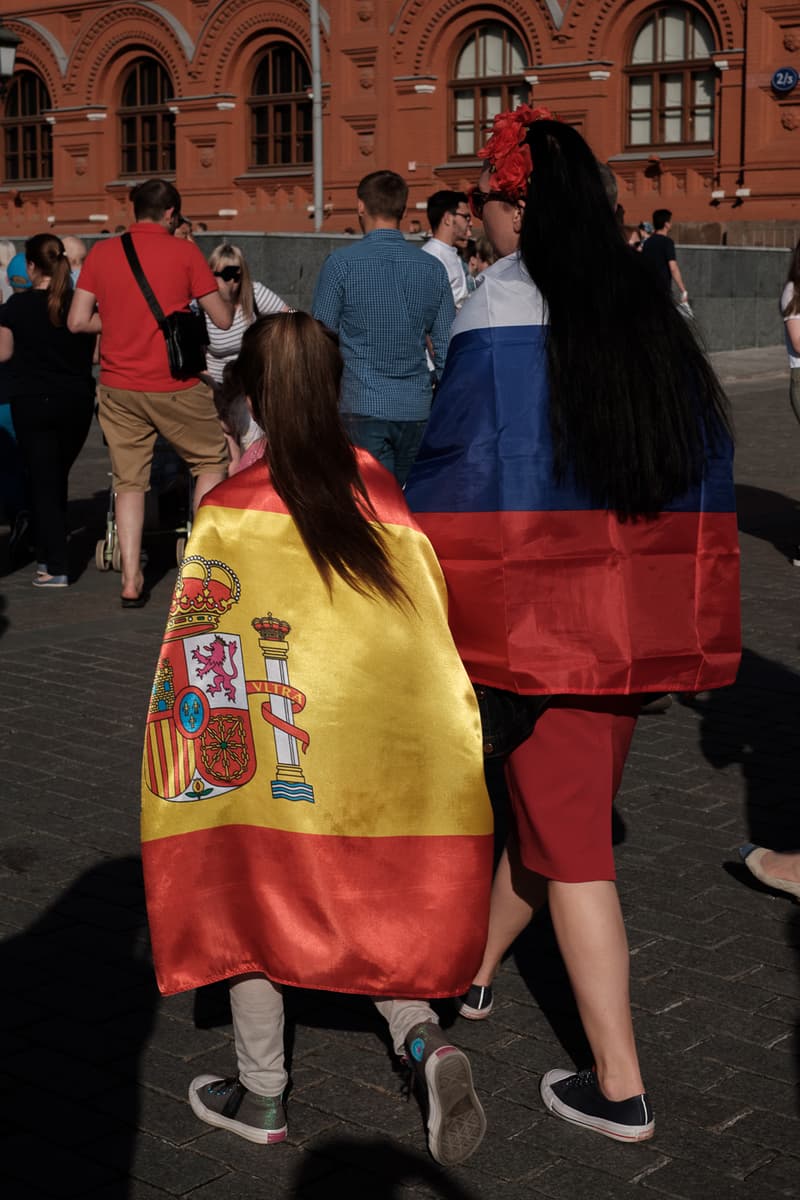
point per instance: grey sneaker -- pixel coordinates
(456, 1121)
(228, 1104)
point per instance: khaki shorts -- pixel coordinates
(188, 420)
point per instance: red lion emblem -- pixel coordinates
(212, 659)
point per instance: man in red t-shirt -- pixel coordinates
(138, 396)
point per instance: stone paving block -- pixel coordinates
(695, 1181)
(777, 1178)
(770, 1130)
(776, 1063)
(757, 1092)
(560, 1139)
(71, 1078)
(745, 995)
(164, 1073)
(271, 1171)
(688, 1068)
(128, 1189)
(712, 1019)
(182, 1040)
(144, 1108)
(781, 1008)
(721, 963)
(175, 1169)
(706, 1110)
(677, 1137)
(569, 1181)
(384, 1111)
(58, 1175)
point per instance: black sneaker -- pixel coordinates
(578, 1099)
(456, 1121)
(476, 1004)
(228, 1104)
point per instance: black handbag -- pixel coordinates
(184, 332)
(507, 718)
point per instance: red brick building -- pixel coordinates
(215, 94)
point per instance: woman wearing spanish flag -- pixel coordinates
(575, 480)
(314, 811)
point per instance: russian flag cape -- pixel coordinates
(547, 593)
(313, 799)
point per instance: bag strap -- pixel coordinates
(141, 278)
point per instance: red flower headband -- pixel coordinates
(507, 153)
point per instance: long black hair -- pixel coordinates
(634, 402)
(290, 367)
(793, 277)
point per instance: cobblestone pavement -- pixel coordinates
(95, 1066)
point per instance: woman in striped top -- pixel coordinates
(251, 300)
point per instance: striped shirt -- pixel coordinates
(225, 344)
(383, 297)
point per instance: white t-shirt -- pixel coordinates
(450, 259)
(225, 344)
(786, 296)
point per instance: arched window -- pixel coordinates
(280, 109)
(147, 127)
(671, 80)
(488, 77)
(27, 136)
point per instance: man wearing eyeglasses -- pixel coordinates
(451, 225)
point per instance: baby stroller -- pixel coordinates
(168, 508)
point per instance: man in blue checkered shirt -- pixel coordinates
(385, 299)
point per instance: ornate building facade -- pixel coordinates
(693, 103)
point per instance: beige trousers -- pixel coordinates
(257, 1008)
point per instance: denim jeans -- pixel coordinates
(393, 443)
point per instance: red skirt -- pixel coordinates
(562, 782)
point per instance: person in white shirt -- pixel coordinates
(250, 300)
(451, 225)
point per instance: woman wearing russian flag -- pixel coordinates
(576, 483)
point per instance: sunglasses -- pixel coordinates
(478, 199)
(229, 274)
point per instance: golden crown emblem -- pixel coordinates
(205, 590)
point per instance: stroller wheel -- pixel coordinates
(100, 560)
(116, 557)
(180, 550)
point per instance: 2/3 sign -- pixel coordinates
(785, 80)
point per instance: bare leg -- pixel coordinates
(130, 522)
(204, 483)
(591, 936)
(516, 895)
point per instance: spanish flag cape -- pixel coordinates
(313, 800)
(548, 593)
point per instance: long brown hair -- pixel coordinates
(47, 254)
(290, 367)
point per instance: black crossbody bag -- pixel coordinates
(185, 333)
(507, 718)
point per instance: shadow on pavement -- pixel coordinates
(378, 1169)
(78, 1003)
(756, 723)
(769, 516)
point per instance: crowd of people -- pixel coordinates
(464, 559)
